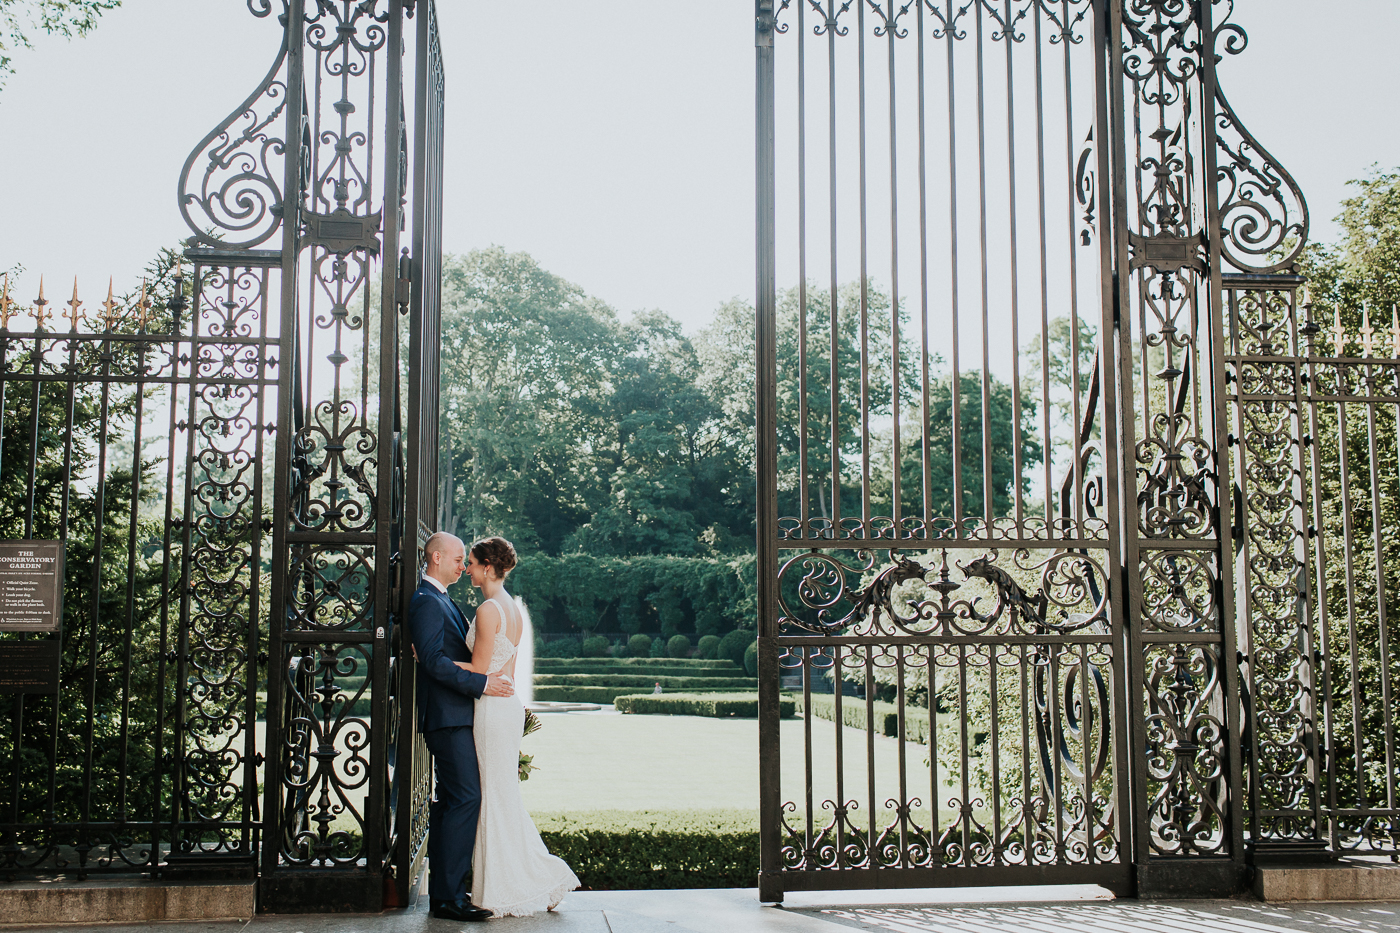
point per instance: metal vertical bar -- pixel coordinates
(1120, 430)
(895, 493)
(834, 310)
(253, 630)
(130, 614)
(1014, 274)
(1076, 462)
(1219, 441)
(864, 321)
(1378, 551)
(99, 521)
(988, 505)
(766, 518)
(387, 411)
(1348, 536)
(166, 587)
(1047, 443)
(950, 32)
(925, 443)
(281, 506)
(802, 477)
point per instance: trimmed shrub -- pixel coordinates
(916, 722)
(693, 666)
(618, 651)
(658, 647)
(734, 644)
(650, 850)
(707, 648)
(678, 647)
(639, 645)
(596, 646)
(561, 648)
(715, 705)
(672, 680)
(751, 659)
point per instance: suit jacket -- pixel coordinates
(446, 693)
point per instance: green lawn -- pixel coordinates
(600, 761)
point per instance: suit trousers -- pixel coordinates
(454, 813)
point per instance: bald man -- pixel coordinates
(446, 700)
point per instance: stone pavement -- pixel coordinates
(1078, 909)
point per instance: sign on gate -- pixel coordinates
(31, 591)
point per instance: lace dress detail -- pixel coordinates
(513, 874)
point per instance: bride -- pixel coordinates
(513, 874)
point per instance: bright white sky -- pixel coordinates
(613, 140)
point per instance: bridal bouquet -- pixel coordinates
(532, 724)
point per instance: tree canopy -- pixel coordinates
(20, 19)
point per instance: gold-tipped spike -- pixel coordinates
(141, 305)
(1338, 334)
(1368, 333)
(109, 308)
(73, 306)
(41, 313)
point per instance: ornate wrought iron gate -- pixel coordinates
(994, 527)
(257, 646)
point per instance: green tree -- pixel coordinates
(68, 18)
(527, 370)
(672, 486)
(1359, 275)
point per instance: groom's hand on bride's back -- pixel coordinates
(499, 685)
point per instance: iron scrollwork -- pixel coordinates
(232, 198)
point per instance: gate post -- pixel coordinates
(319, 155)
(770, 887)
(1183, 690)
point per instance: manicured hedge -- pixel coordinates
(717, 705)
(649, 850)
(637, 681)
(633, 665)
(916, 723)
(547, 694)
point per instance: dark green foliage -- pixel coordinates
(650, 850)
(101, 629)
(596, 646)
(678, 666)
(733, 645)
(714, 705)
(658, 648)
(634, 681)
(67, 18)
(1363, 270)
(559, 648)
(570, 430)
(707, 648)
(639, 645)
(678, 647)
(751, 659)
(646, 594)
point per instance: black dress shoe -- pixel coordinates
(461, 911)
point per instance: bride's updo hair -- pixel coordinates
(496, 553)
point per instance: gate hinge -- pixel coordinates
(405, 283)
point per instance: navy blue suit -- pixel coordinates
(446, 701)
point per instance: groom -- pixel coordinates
(446, 696)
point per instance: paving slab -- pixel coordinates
(1063, 909)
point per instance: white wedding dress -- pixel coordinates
(513, 874)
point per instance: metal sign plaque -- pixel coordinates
(29, 666)
(31, 586)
